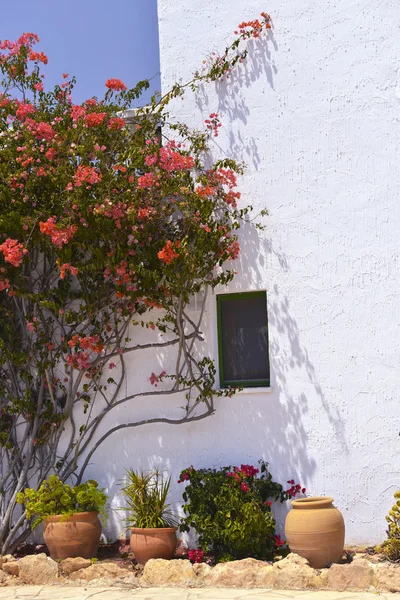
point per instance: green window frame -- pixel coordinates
(242, 382)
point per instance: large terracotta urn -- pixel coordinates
(153, 543)
(72, 536)
(314, 529)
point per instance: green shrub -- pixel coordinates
(146, 495)
(57, 498)
(391, 547)
(230, 509)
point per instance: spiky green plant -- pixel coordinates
(146, 496)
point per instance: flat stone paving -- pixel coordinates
(30, 592)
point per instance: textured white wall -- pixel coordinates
(315, 115)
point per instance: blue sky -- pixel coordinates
(91, 39)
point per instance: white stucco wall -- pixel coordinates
(315, 115)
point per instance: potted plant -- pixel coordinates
(152, 524)
(70, 515)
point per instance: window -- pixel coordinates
(243, 339)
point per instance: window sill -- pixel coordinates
(253, 390)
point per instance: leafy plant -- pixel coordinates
(391, 547)
(230, 509)
(57, 498)
(146, 495)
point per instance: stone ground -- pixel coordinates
(79, 593)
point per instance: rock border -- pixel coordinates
(290, 573)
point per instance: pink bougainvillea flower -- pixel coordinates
(24, 109)
(77, 112)
(4, 284)
(116, 84)
(86, 175)
(147, 180)
(59, 235)
(42, 130)
(51, 153)
(115, 123)
(13, 251)
(233, 250)
(168, 254)
(95, 119)
(154, 379)
(67, 267)
(39, 56)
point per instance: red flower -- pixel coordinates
(116, 85)
(278, 541)
(51, 153)
(59, 235)
(248, 470)
(67, 267)
(168, 254)
(115, 123)
(233, 250)
(24, 109)
(39, 56)
(95, 119)
(147, 180)
(86, 175)
(77, 112)
(196, 556)
(295, 489)
(244, 487)
(13, 251)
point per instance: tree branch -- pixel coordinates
(206, 414)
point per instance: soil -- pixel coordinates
(115, 551)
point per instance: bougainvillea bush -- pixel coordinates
(230, 510)
(109, 222)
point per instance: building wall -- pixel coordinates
(314, 113)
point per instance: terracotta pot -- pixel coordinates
(153, 543)
(314, 529)
(77, 535)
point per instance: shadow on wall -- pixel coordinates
(287, 354)
(232, 106)
(298, 359)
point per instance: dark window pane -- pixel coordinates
(243, 333)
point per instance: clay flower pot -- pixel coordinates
(153, 543)
(314, 529)
(76, 535)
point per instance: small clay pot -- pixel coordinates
(314, 529)
(153, 543)
(77, 535)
